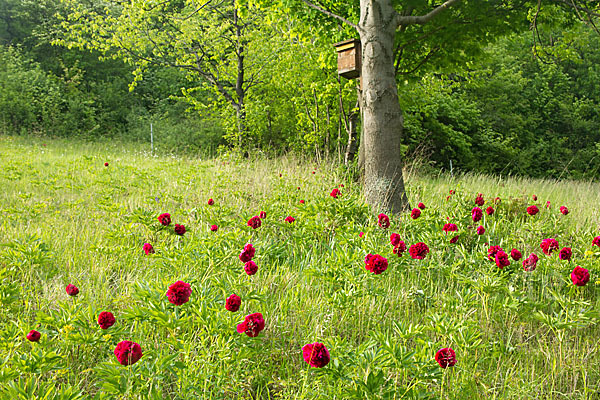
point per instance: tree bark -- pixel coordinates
(382, 116)
(352, 145)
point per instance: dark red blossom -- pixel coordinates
(418, 250)
(214, 228)
(128, 353)
(376, 263)
(596, 241)
(421, 206)
(548, 204)
(383, 220)
(450, 228)
(316, 354)
(301, 201)
(564, 210)
(180, 229)
(289, 219)
(252, 325)
(492, 252)
(361, 234)
(549, 245)
(250, 267)
(476, 214)
(148, 249)
(254, 222)
(399, 248)
(502, 259)
(479, 200)
(565, 253)
(394, 239)
(247, 253)
(262, 215)
(34, 336)
(445, 357)
(516, 254)
(489, 210)
(497, 200)
(534, 197)
(580, 276)
(164, 219)
(335, 193)
(72, 290)
(179, 293)
(106, 319)
(530, 263)
(454, 239)
(106, 164)
(532, 210)
(480, 230)
(211, 202)
(233, 303)
(415, 213)
(452, 191)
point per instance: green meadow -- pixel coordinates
(69, 219)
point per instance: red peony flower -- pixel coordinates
(497, 200)
(106, 164)
(262, 215)
(179, 293)
(399, 248)
(445, 357)
(106, 319)
(361, 234)
(532, 210)
(375, 263)
(580, 276)
(301, 201)
(72, 290)
(248, 253)
(211, 202)
(596, 241)
(313, 172)
(549, 245)
(565, 253)
(128, 352)
(214, 228)
(564, 210)
(164, 219)
(250, 267)
(394, 239)
(479, 200)
(452, 191)
(421, 206)
(415, 213)
(334, 193)
(233, 303)
(534, 197)
(450, 228)
(489, 210)
(516, 254)
(316, 354)
(480, 230)
(254, 222)
(179, 229)
(34, 336)
(148, 249)
(252, 325)
(289, 219)
(454, 239)
(492, 252)
(384, 221)
(530, 262)
(476, 214)
(502, 259)
(548, 204)
(418, 250)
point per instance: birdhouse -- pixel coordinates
(349, 58)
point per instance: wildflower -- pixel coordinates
(516, 254)
(415, 213)
(211, 202)
(254, 222)
(34, 336)
(375, 263)
(480, 230)
(445, 357)
(334, 193)
(289, 219)
(179, 293)
(302, 201)
(250, 267)
(454, 239)
(394, 239)
(530, 262)
(534, 197)
(532, 210)
(492, 252)
(361, 234)
(421, 206)
(548, 204)
(72, 290)
(214, 228)
(262, 215)
(164, 219)
(450, 228)
(502, 259)
(580, 276)
(148, 249)
(179, 229)
(247, 253)
(565, 253)
(252, 325)
(418, 250)
(316, 355)
(400, 248)
(233, 303)
(596, 241)
(106, 164)
(383, 220)
(479, 200)
(106, 319)
(549, 245)
(489, 210)
(128, 353)
(564, 210)
(476, 214)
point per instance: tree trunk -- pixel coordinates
(382, 117)
(352, 146)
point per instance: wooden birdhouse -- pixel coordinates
(348, 58)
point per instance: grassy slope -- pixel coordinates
(69, 219)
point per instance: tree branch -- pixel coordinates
(423, 19)
(329, 13)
